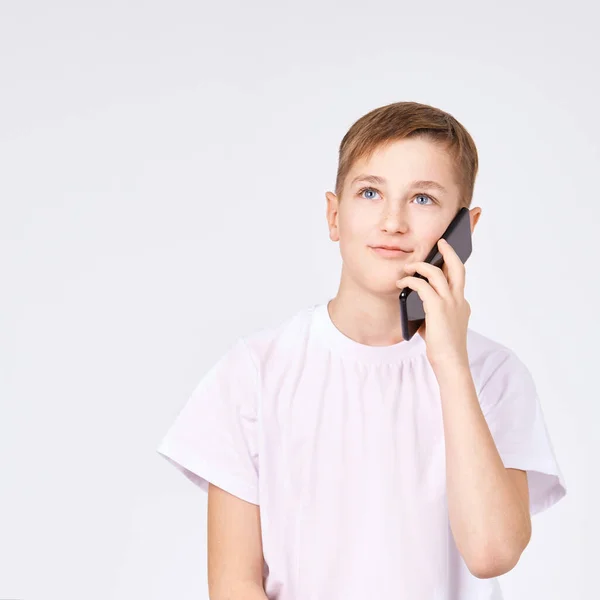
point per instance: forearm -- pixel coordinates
(489, 521)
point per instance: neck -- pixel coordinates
(366, 318)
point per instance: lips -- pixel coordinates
(390, 251)
(385, 247)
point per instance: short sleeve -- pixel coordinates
(214, 436)
(512, 409)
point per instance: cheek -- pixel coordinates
(424, 246)
(426, 238)
(353, 228)
(354, 237)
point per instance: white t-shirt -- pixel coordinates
(342, 446)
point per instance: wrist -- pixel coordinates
(451, 364)
(452, 370)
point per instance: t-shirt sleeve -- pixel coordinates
(512, 409)
(214, 436)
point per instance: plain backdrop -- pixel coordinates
(163, 169)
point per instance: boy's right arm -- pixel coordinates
(235, 554)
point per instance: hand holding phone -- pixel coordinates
(458, 235)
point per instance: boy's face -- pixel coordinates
(394, 212)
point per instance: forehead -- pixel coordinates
(412, 158)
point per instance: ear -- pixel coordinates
(332, 216)
(474, 213)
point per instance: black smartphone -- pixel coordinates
(458, 235)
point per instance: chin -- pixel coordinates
(384, 288)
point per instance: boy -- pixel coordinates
(343, 462)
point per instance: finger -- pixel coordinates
(446, 272)
(455, 267)
(427, 294)
(434, 274)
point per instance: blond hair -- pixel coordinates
(402, 120)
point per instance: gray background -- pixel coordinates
(163, 167)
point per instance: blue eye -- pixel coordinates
(423, 196)
(367, 189)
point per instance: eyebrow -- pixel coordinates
(420, 183)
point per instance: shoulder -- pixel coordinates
(480, 345)
(488, 358)
(280, 339)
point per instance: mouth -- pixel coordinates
(390, 251)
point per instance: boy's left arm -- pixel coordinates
(488, 504)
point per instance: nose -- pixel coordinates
(394, 220)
